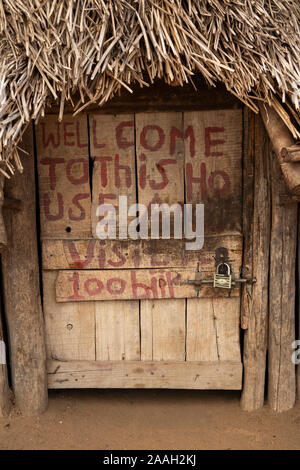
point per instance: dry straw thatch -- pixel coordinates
(51, 48)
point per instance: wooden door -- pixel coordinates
(121, 313)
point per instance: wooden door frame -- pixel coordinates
(22, 288)
(22, 295)
(256, 229)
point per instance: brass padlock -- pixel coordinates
(223, 280)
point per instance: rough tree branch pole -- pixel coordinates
(23, 310)
(5, 403)
(4, 389)
(282, 140)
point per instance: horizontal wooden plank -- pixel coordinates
(121, 254)
(140, 374)
(132, 284)
(162, 97)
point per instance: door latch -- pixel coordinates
(223, 281)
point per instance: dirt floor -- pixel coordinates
(150, 419)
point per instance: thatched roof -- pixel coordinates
(50, 49)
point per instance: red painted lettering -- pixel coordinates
(103, 169)
(96, 144)
(211, 143)
(79, 143)
(85, 167)
(189, 132)
(102, 197)
(136, 258)
(52, 162)
(190, 179)
(147, 143)
(112, 288)
(125, 168)
(77, 204)
(88, 286)
(67, 134)
(160, 166)
(102, 258)
(142, 172)
(162, 283)
(82, 263)
(172, 282)
(60, 203)
(75, 280)
(148, 291)
(50, 137)
(122, 259)
(226, 182)
(122, 142)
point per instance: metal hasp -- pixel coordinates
(223, 281)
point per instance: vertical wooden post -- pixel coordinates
(297, 349)
(257, 264)
(4, 389)
(248, 208)
(23, 310)
(5, 403)
(281, 370)
(3, 235)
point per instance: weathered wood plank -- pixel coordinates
(5, 402)
(213, 155)
(201, 335)
(63, 169)
(23, 312)
(131, 284)
(149, 374)
(117, 330)
(121, 254)
(160, 164)
(162, 97)
(4, 388)
(248, 208)
(113, 154)
(213, 170)
(70, 327)
(162, 330)
(213, 330)
(227, 322)
(114, 175)
(255, 338)
(3, 234)
(296, 355)
(281, 370)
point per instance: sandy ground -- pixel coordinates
(150, 419)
